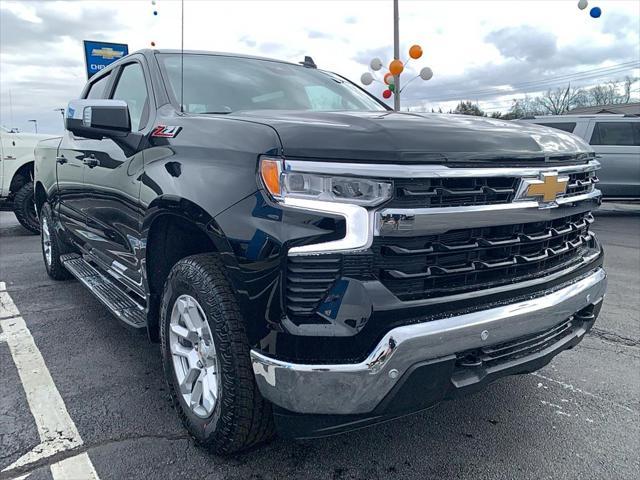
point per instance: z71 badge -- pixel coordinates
(165, 131)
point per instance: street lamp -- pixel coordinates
(61, 110)
(35, 124)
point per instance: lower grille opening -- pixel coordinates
(495, 355)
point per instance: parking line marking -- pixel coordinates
(56, 429)
(76, 467)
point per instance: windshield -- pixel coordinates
(222, 84)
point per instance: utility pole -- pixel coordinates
(396, 55)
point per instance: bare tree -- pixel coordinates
(560, 100)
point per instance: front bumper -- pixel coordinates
(361, 388)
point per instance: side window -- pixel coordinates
(132, 88)
(96, 90)
(616, 133)
(564, 126)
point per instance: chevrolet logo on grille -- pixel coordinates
(549, 186)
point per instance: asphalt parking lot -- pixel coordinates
(579, 417)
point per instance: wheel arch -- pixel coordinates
(22, 175)
(175, 228)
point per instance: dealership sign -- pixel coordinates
(98, 55)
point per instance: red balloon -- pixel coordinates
(386, 93)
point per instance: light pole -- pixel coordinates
(392, 76)
(61, 110)
(35, 124)
(396, 54)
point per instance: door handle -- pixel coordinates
(9, 157)
(61, 160)
(91, 161)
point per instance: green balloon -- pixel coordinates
(392, 87)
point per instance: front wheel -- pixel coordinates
(25, 208)
(205, 354)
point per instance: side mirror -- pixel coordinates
(98, 119)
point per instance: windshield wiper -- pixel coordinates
(214, 113)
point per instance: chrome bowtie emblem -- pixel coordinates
(546, 188)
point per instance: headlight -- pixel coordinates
(287, 184)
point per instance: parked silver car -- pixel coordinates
(616, 140)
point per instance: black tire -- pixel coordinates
(25, 208)
(54, 267)
(241, 418)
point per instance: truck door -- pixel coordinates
(111, 180)
(70, 168)
(617, 142)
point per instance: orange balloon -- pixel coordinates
(415, 51)
(388, 78)
(396, 67)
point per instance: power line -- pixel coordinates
(532, 86)
(632, 64)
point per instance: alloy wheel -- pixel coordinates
(194, 357)
(46, 241)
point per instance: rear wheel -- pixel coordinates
(52, 246)
(205, 355)
(25, 208)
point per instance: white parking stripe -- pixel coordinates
(78, 467)
(56, 429)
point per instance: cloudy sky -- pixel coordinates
(486, 51)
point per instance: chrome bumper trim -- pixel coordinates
(359, 388)
(358, 226)
(431, 221)
(426, 171)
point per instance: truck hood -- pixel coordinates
(413, 137)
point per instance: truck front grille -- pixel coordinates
(471, 191)
(470, 259)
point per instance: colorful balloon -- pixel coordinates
(388, 78)
(366, 78)
(386, 93)
(375, 64)
(582, 4)
(426, 73)
(392, 87)
(396, 67)
(155, 13)
(153, 2)
(415, 52)
(595, 12)
(153, 44)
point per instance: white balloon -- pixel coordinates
(582, 4)
(366, 78)
(426, 73)
(375, 64)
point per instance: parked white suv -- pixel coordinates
(16, 175)
(615, 138)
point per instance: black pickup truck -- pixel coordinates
(310, 261)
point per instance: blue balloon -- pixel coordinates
(595, 12)
(156, 13)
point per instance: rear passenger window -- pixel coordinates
(565, 126)
(616, 133)
(97, 88)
